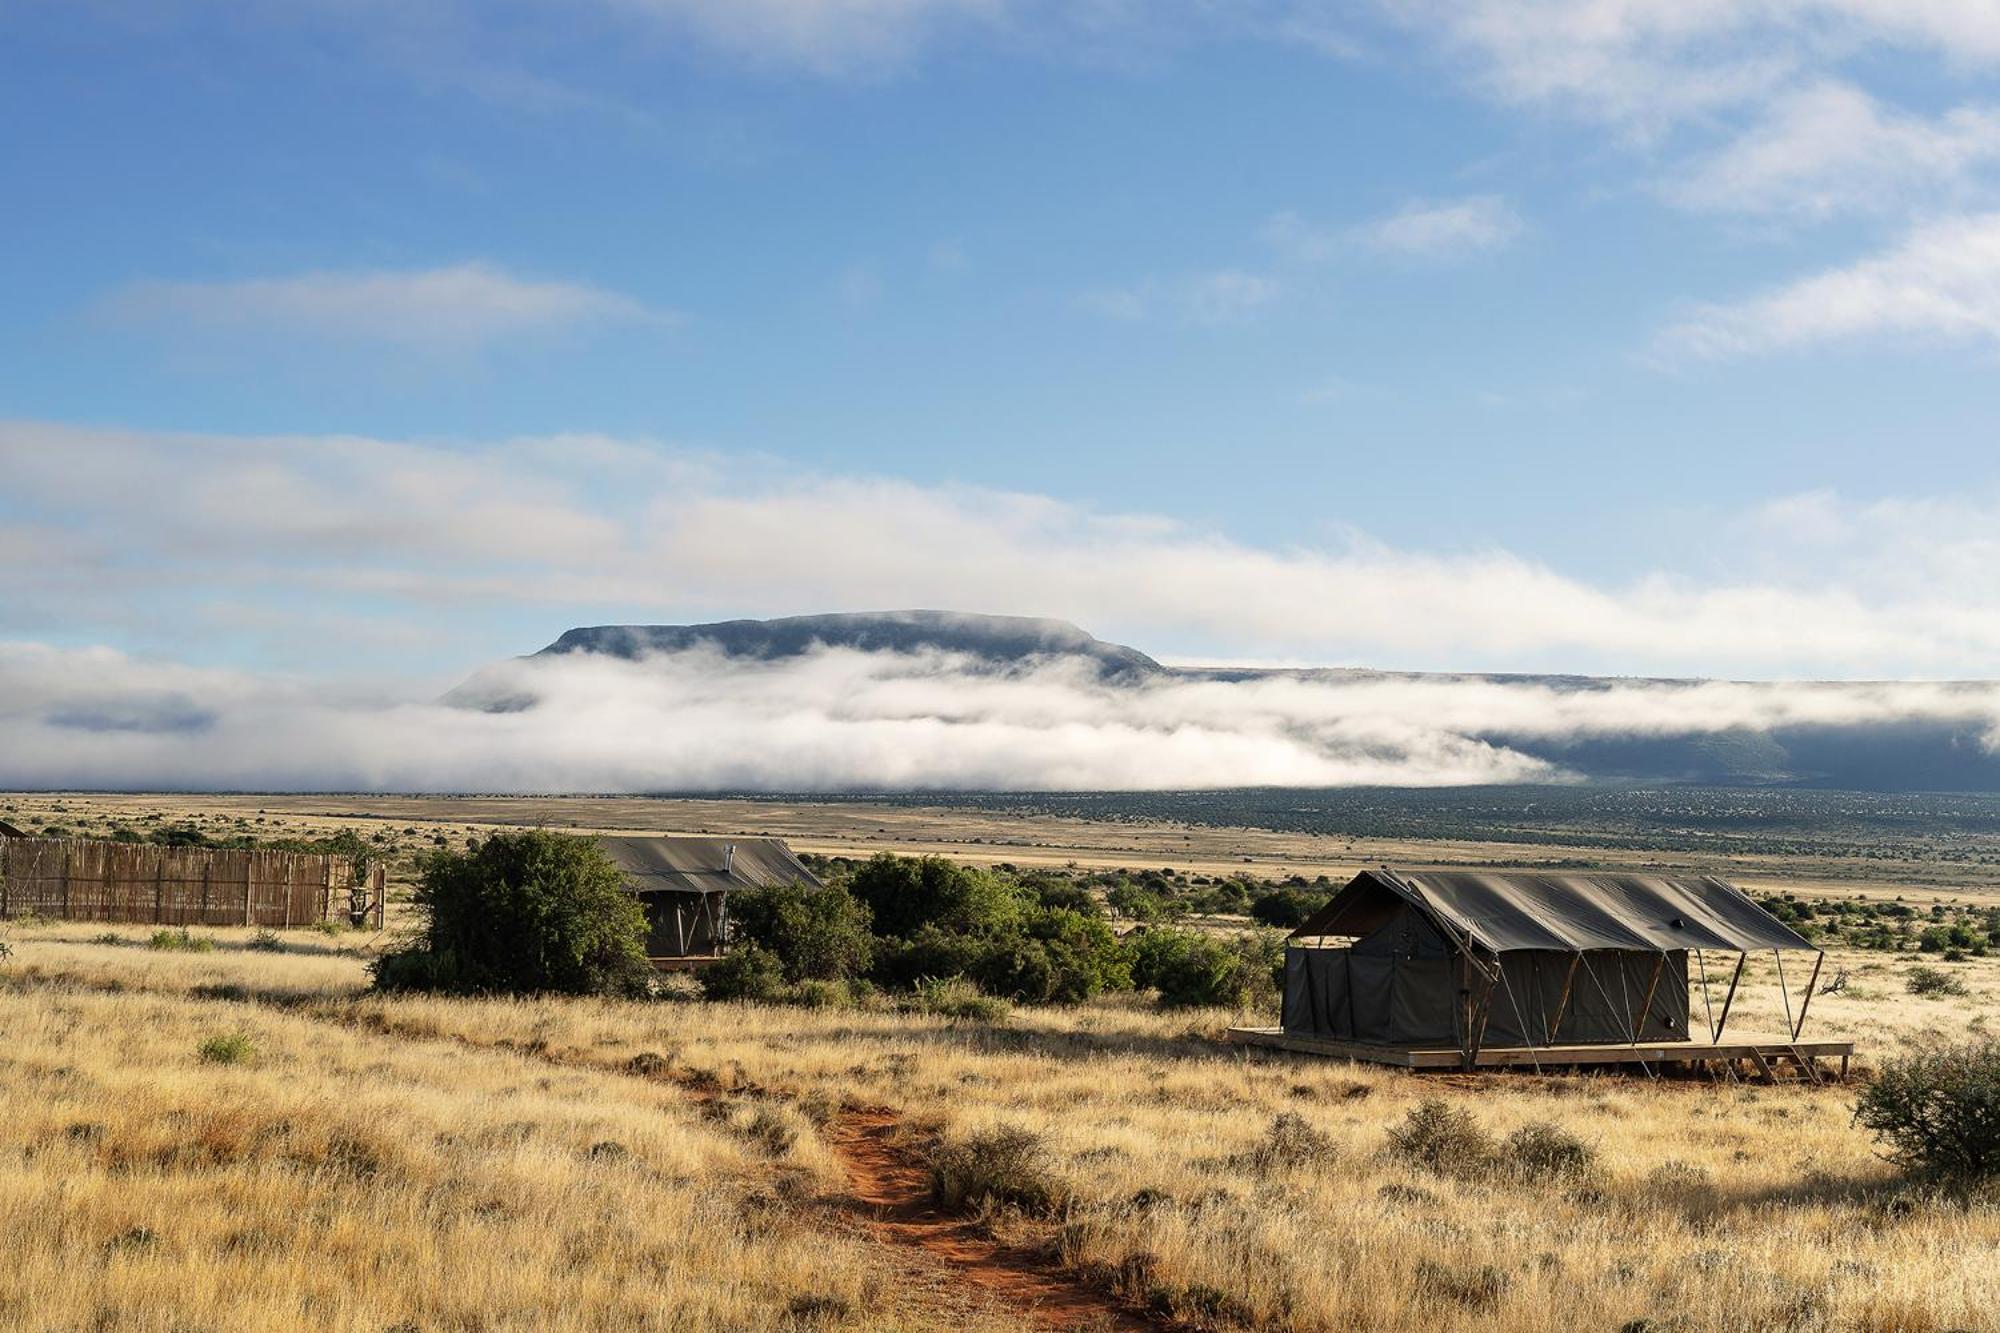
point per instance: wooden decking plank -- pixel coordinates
(1755, 1049)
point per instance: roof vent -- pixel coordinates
(729, 859)
(1678, 923)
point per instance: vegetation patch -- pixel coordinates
(227, 1048)
(1009, 1165)
(1938, 1109)
(1443, 1138)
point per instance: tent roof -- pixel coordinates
(704, 865)
(1505, 911)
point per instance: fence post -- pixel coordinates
(380, 875)
(65, 881)
(247, 889)
(159, 885)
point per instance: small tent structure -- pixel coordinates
(1461, 960)
(684, 884)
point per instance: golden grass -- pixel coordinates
(1709, 1207)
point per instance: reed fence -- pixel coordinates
(76, 879)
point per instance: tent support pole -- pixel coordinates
(1806, 1003)
(1477, 1035)
(1730, 998)
(1707, 1007)
(1778, 957)
(1515, 1005)
(1562, 1004)
(1646, 1005)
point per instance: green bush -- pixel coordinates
(1938, 1109)
(1007, 1165)
(1189, 968)
(816, 934)
(1933, 982)
(266, 941)
(227, 1048)
(1441, 1137)
(1287, 909)
(905, 894)
(179, 941)
(524, 913)
(747, 972)
(954, 997)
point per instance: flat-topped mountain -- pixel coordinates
(996, 639)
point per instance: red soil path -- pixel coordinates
(893, 1193)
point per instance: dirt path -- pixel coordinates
(892, 1194)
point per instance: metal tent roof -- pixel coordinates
(1507, 911)
(704, 865)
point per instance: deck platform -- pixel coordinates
(1762, 1055)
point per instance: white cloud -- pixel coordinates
(1445, 229)
(1941, 282)
(462, 306)
(1421, 229)
(160, 529)
(835, 719)
(1221, 296)
(1831, 148)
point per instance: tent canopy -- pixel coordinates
(704, 865)
(1511, 911)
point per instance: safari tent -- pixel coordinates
(1483, 967)
(684, 885)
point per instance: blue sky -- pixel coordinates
(1599, 335)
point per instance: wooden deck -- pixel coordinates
(1762, 1055)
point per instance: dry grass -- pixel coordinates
(1705, 1208)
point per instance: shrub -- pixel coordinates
(1291, 1141)
(266, 941)
(1441, 1137)
(1287, 909)
(1933, 982)
(1189, 968)
(816, 934)
(179, 941)
(1938, 1109)
(227, 1048)
(1007, 1165)
(746, 972)
(904, 894)
(954, 997)
(1542, 1151)
(524, 913)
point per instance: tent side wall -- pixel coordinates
(1410, 997)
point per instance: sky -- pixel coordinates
(359, 344)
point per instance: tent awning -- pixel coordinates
(1507, 911)
(704, 865)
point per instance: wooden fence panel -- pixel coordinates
(77, 879)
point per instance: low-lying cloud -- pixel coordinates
(841, 720)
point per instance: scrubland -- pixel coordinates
(369, 1162)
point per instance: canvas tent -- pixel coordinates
(1465, 959)
(684, 884)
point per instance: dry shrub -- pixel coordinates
(1008, 1165)
(1938, 1109)
(1933, 982)
(1441, 1137)
(1475, 1288)
(1290, 1142)
(1544, 1151)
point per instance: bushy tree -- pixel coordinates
(1287, 908)
(1189, 968)
(817, 934)
(1938, 1108)
(905, 894)
(523, 913)
(747, 972)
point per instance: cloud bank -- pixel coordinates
(338, 554)
(840, 720)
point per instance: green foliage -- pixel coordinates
(1287, 909)
(1006, 1165)
(1938, 1109)
(179, 941)
(816, 934)
(1932, 982)
(747, 972)
(1441, 1137)
(266, 941)
(227, 1048)
(905, 894)
(523, 913)
(1189, 968)
(953, 997)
